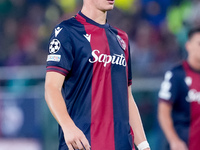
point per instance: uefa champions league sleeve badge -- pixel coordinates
(54, 46)
(121, 42)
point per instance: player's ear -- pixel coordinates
(188, 45)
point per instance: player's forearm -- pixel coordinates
(57, 106)
(136, 124)
(135, 121)
(166, 123)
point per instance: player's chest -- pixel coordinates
(192, 81)
(100, 46)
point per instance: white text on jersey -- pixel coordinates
(106, 59)
(193, 96)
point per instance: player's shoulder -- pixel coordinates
(67, 24)
(63, 29)
(119, 31)
(178, 67)
(178, 70)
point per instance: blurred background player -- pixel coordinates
(88, 83)
(179, 99)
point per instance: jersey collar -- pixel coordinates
(186, 63)
(106, 25)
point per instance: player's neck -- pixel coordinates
(94, 14)
(194, 64)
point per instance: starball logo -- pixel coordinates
(106, 59)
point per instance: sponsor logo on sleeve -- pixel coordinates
(57, 31)
(55, 58)
(166, 85)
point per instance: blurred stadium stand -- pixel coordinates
(157, 30)
(25, 118)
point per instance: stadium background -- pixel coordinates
(157, 30)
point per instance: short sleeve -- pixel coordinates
(60, 57)
(129, 68)
(169, 88)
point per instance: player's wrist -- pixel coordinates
(143, 145)
(173, 139)
(67, 124)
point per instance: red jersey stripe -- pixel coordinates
(102, 122)
(194, 107)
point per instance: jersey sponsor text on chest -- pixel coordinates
(193, 96)
(106, 59)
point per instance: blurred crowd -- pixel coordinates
(157, 30)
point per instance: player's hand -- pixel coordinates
(177, 145)
(75, 139)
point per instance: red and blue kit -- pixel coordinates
(95, 61)
(181, 89)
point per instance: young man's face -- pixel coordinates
(193, 47)
(103, 5)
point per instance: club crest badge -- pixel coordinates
(121, 42)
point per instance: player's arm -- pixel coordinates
(74, 137)
(136, 123)
(166, 123)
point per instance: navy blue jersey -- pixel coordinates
(181, 89)
(95, 61)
